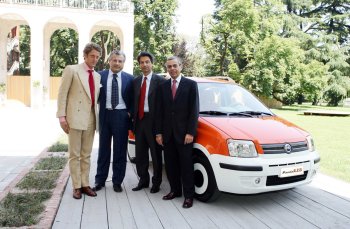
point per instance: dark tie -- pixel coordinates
(173, 88)
(115, 94)
(142, 98)
(92, 87)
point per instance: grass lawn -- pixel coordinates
(331, 136)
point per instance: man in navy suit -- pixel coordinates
(177, 119)
(116, 104)
(145, 94)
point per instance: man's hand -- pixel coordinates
(188, 139)
(159, 139)
(64, 124)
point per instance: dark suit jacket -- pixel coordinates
(127, 94)
(156, 80)
(179, 116)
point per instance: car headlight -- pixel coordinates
(240, 148)
(310, 143)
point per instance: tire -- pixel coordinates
(206, 189)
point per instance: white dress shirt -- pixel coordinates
(121, 103)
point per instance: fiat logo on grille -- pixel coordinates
(288, 148)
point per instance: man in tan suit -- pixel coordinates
(78, 115)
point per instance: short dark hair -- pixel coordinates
(142, 54)
(90, 46)
(118, 53)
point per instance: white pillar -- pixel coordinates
(46, 71)
(3, 55)
(84, 38)
(37, 62)
(127, 44)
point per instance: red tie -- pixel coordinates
(173, 89)
(92, 88)
(142, 98)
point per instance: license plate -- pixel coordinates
(292, 171)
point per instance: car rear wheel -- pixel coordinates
(206, 189)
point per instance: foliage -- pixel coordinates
(18, 210)
(64, 50)
(51, 163)
(60, 146)
(276, 69)
(288, 50)
(108, 42)
(154, 30)
(24, 47)
(39, 180)
(2, 87)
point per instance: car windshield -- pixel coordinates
(228, 99)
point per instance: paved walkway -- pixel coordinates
(325, 203)
(24, 134)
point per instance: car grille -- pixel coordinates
(275, 180)
(280, 148)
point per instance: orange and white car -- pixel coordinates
(242, 147)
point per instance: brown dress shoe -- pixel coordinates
(188, 203)
(77, 193)
(170, 196)
(88, 191)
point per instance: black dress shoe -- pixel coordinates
(170, 196)
(188, 203)
(117, 188)
(139, 187)
(154, 189)
(98, 187)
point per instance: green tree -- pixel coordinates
(276, 69)
(154, 30)
(24, 47)
(63, 50)
(108, 42)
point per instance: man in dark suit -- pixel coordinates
(116, 104)
(145, 94)
(177, 118)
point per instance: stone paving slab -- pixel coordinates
(25, 132)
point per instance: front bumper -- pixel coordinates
(261, 174)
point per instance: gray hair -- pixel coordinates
(178, 59)
(118, 53)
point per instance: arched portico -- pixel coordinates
(115, 16)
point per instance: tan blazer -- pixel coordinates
(74, 100)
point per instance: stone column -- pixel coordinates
(127, 44)
(3, 51)
(37, 62)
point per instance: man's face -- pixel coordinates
(116, 63)
(145, 65)
(174, 68)
(92, 58)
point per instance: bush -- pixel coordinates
(22, 209)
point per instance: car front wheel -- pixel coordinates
(206, 189)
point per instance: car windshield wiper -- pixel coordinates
(213, 112)
(225, 113)
(256, 113)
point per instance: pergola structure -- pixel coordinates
(44, 17)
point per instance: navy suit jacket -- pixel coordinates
(178, 116)
(127, 94)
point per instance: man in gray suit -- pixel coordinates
(145, 93)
